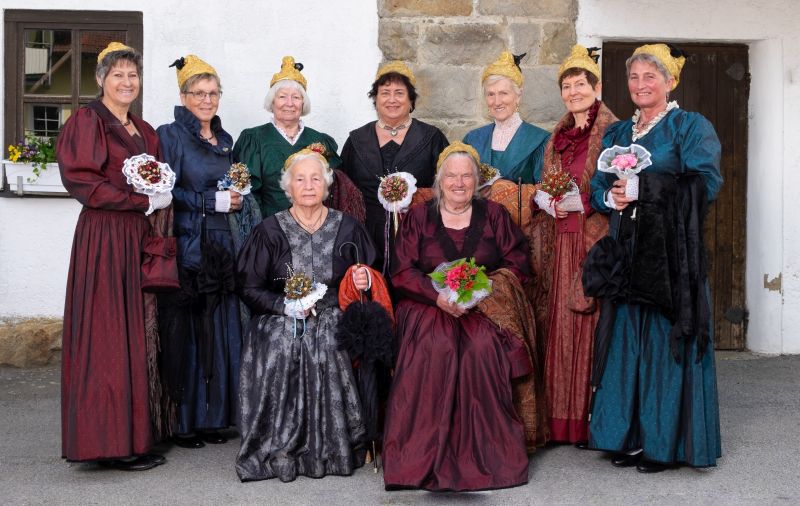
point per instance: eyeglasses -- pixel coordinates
(202, 95)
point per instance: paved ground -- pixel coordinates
(760, 408)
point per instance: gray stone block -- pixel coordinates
(30, 342)
(448, 92)
(557, 41)
(457, 43)
(541, 100)
(400, 8)
(534, 8)
(398, 40)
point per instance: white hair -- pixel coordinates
(327, 173)
(437, 180)
(647, 58)
(287, 83)
(493, 78)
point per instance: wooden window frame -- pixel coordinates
(16, 21)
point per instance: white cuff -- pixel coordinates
(571, 203)
(609, 200)
(222, 204)
(545, 202)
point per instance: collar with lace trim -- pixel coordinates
(637, 133)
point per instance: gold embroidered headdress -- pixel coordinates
(505, 66)
(191, 65)
(111, 47)
(664, 54)
(581, 58)
(397, 67)
(458, 147)
(289, 70)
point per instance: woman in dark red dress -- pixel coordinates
(105, 386)
(450, 420)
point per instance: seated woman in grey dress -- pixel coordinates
(300, 412)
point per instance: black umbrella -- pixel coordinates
(365, 331)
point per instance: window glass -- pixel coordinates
(92, 42)
(48, 62)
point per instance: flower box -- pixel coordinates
(48, 182)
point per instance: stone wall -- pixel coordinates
(30, 341)
(448, 43)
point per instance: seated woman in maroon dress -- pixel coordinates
(450, 420)
(109, 402)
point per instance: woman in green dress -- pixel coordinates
(264, 148)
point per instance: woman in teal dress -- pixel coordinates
(512, 146)
(656, 399)
(264, 148)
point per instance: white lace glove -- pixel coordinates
(571, 203)
(294, 309)
(222, 204)
(159, 201)
(632, 187)
(545, 202)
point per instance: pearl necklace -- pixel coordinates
(395, 129)
(456, 213)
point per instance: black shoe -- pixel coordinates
(191, 442)
(625, 460)
(648, 467)
(213, 437)
(582, 445)
(140, 463)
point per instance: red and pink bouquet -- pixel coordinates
(626, 162)
(462, 282)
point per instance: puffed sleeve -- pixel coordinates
(602, 181)
(255, 273)
(700, 151)
(247, 150)
(511, 242)
(330, 145)
(183, 198)
(407, 278)
(82, 154)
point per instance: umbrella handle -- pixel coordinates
(354, 245)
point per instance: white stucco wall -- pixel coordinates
(245, 41)
(769, 27)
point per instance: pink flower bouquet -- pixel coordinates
(462, 282)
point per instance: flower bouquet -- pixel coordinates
(626, 163)
(395, 192)
(147, 175)
(236, 179)
(301, 293)
(487, 175)
(558, 186)
(462, 282)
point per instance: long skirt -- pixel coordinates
(300, 412)
(648, 400)
(105, 410)
(450, 419)
(568, 359)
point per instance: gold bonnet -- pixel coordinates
(662, 53)
(505, 66)
(580, 58)
(111, 47)
(397, 67)
(191, 65)
(458, 147)
(289, 70)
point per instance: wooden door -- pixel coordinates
(714, 82)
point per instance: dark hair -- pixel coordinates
(394, 77)
(577, 71)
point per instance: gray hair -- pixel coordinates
(287, 83)
(647, 58)
(187, 85)
(493, 78)
(327, 173)
(113, 58)
(437, 180)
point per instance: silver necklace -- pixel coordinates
(310, 228)
(393, 130)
